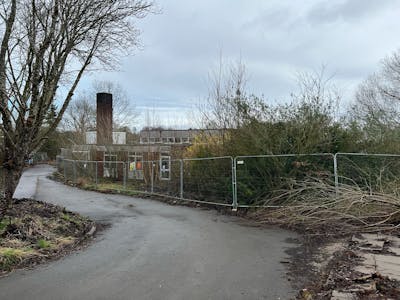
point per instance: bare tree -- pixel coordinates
(227, 87)
(80, 117)
(377, 106)
(378, 97)
(151, 119)
(45, 44)
(314, 110)
(226, 97)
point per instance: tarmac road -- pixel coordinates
(153, 251)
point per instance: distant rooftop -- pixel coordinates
(173, 136)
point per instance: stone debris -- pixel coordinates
(377, 273)
(365, 267)
(377, 263)
(375, 258)
(394, 250)
(394, 245)
(386, 265)
(366, 287)
(368, 241)
(336, 295)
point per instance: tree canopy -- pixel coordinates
(46, 44)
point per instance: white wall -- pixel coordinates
(119, 138)
(91, 137)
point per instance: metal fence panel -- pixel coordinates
(167, 178)
(140, 176)
(208, 180)
(60, 164)
(155, 177)
(245, 181)
(86, 172)
(370, 172)
(262, 177)
(68, 171)
(111, 175)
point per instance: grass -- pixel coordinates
(11, 256)
(102, 186)
(66, 217)
(110, 186)
(43, 244)
(3, 225)
(64, 241)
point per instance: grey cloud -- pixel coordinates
(348, 10)
(274, 38)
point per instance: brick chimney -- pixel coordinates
(104, 119)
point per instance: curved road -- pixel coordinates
(153, 251)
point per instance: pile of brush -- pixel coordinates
(318, 206)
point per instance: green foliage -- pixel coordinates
(43, 244)
(293, 128)
(3, 224)
(8, 258)
(260, 178)
(308, 124)
(53, 143)
(209, 180)
(66, 217)
(11, 256)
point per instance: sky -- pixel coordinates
(276, 39)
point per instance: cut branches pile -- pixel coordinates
(319, 207)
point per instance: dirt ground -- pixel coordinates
(322, 266)
(33, 232)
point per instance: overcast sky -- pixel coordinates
(274, 39)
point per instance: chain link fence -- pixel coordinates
(243, 181)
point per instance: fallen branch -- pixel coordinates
(318, 206)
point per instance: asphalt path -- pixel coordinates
(153, 251)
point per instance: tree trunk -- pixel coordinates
(11, 181)
(13, 166)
